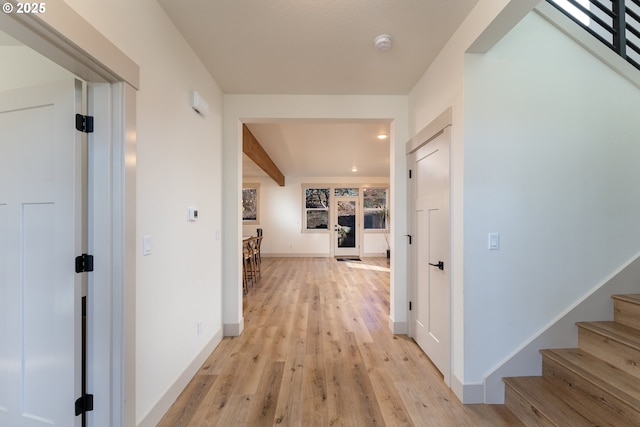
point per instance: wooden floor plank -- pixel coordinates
(181, 414)
(290, 400)
(266, 397)
(317, 351)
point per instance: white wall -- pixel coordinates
(281, 218)
(551, 160)
(178, 165)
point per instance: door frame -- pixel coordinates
(64, 37)
(441, 124)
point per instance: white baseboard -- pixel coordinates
(153, 417)
(467, 393)
(398, 328)
(374, 255)
(233, 329)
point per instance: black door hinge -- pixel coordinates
(84, 263)
(84, 123)
(409, 305)
(409, 173)
(84, 404)
(410, 237)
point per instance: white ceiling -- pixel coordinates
(317, 47)
(323, 148)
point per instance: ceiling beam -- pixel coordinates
(252, 148)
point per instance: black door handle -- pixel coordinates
(440, 265)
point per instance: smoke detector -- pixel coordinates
(382, 42)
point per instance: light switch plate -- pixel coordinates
(494, 241)
(146, 245)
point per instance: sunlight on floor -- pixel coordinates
(366, 266)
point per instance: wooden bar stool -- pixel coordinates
(248, 265)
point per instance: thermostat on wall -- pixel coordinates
(193, 214)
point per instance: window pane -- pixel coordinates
(249, 204)
(375, 198)
(317, 198)
(375, 219)
(376, 208)
(317, 219)
(347, 191)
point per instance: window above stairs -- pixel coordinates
(616, 23)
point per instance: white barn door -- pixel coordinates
(40, 235)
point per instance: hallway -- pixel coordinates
(317, 351)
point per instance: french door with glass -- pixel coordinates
(347, 226)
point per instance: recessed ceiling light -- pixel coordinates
(383, 136)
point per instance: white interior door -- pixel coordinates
(347, 226)
(40, 235)
(432, 312)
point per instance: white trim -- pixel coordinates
(233, 329)
(398, 328)
(503, 22)
(164, 403)
(375, 255)
(66, 38)
(124, 245)
(430, 131)
(467, 393)
(100, 347)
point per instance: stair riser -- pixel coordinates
(626, 313)
(527, 413)
(618, 412)
(612, 352)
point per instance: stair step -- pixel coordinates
(615, 391)
(626, 309)
(616, 344)
(538, 401)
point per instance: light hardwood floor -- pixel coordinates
(317, 351)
